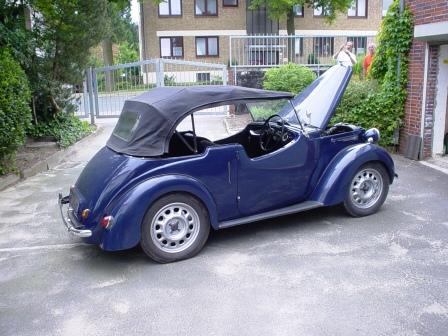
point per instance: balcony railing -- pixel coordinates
(263, 51)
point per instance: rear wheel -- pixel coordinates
(367, 190)
(175, 227)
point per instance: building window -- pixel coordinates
(230, 3)
(172, 47)
(321, 11)
(170, 8)
(298, 10)
(359, 44)
(358, 9)
(386, 5)
(323, 46)
(207, 46)
(203, 77)
(206, 7)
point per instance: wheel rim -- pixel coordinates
(366, 188)
(175, 227)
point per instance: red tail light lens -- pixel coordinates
(106, 222)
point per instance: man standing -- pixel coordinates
(345, 56)
(368, 59)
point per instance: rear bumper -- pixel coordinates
(69, 219)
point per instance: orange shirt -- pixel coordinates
(367, 62)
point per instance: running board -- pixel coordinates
(308, 205)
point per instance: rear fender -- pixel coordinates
(130, 209)
(331, 187)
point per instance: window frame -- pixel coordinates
(303, 11)
(169, 9)
(171, 46)
(206, 46)
(323, 38)
(355, 40)
(224, 5)
(206, 9)
(357, 16)
(325, 12)
(384, 13)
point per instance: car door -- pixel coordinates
(276, 179)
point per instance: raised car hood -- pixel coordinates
(317, 103)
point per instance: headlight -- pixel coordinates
(372, 135)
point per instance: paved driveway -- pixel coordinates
(315, 273)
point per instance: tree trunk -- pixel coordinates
(108, 59)
(291, 31)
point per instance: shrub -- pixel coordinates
(289, 77)
(355, 96)
(64, 127)
(250, 79)
(367, 104)
(15, 112)
(383, 107)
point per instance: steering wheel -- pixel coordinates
(270, 136)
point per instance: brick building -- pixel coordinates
(426, 106)
(200, 29)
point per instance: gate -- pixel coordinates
(107, 88)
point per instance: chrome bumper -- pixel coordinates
(70, 219)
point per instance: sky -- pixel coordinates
(135, 14)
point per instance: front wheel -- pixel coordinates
(175, 227)
(367, 190)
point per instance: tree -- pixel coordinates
(121, 29)
(278, 9)
(64, 31)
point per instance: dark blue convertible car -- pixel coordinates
(163, 188)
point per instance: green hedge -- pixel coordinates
(64, 127)
(289, 77)
(15, 111)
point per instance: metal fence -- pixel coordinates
(261, 51)
(105, 89)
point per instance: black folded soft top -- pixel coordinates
(149, 120)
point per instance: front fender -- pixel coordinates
(130, 209)
(332, 186)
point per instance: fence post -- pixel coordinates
(95, 93)
(90, 90)
(224, 75)
(160, 77)
(85, 94)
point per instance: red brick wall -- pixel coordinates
(425, 11)
(428, 11)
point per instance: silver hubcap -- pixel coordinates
(366, 188)
(175, 227)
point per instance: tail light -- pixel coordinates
(106, 222)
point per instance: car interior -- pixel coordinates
(256, 138)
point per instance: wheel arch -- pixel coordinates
(332, 184)
(129, 212)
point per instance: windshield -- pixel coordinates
(262, 110)
(316, 104)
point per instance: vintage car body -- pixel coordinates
(164, 190)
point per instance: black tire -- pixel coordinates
(357, 201)
(175, 227)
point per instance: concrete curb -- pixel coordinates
(8, 180)
(49, 163)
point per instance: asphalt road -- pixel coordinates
(315, 273)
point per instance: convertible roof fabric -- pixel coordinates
(161, 109)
